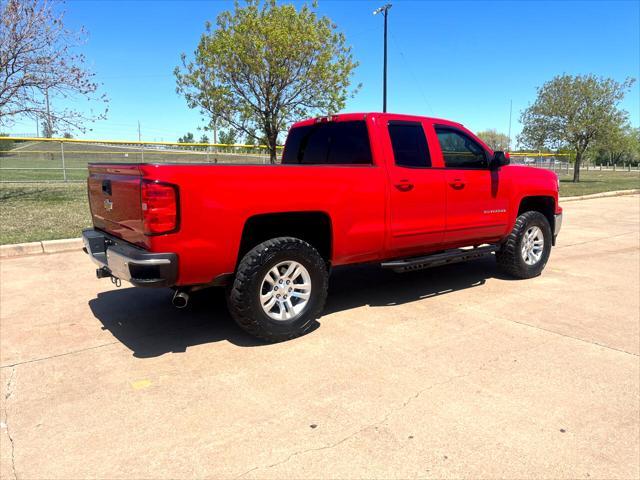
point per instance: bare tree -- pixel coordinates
(38, 66)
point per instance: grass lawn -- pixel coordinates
(597, 182)
(41, 211)
(47, 211)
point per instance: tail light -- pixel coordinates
(159, 207)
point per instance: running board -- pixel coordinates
(437, 259)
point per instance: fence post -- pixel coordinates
(64, 168)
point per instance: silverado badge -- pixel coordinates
(108, 205)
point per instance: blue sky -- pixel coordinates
(459, 60)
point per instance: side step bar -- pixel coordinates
(437, 259)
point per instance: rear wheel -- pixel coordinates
(526, 250)
(279, 290)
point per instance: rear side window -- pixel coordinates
(409, 144)
(329, 143)
(459, 150)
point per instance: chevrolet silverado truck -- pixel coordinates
(405, 192)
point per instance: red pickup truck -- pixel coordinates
(403, 191)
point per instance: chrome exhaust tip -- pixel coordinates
(180, 299)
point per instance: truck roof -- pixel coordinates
(361, 115)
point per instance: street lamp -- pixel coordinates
(385, 11)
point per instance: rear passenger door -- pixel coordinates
(417, 191)
(476, 196)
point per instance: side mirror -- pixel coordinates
(500, 159)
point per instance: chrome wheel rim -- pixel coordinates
(285, 290)
(532, 245)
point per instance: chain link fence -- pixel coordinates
(562, 163)
(34, 160)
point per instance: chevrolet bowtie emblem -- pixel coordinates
(108, 205)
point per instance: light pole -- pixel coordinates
(385, 11)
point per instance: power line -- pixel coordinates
(414, 77)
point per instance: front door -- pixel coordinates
(476, 196)
(417, 192)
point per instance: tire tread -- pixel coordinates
(248, 268)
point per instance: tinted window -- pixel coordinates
(335, 143)
(409, 144)
(459, 150)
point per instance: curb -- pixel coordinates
(617, 193)
(37, 248)
(69, 244)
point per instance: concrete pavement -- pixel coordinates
(446, 373)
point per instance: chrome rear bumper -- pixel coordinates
(116, 258)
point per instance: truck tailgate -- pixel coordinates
(114, 198)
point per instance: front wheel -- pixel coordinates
(279, 289)
(526, 250)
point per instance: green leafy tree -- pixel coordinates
(497, 141)
(265, 65)
(574, 111)
(251, 138)
(204, 139)
(187, 138)
(621, 145)
(228, 137)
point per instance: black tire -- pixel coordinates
(509, 257)
(244, 296)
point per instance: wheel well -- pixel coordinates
(312, 227)
(544, 205)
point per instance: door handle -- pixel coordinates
(404, 186)
(457, 184)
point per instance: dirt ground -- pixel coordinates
(447, 373)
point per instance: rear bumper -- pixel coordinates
(122, 260)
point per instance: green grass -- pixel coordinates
(33, 212)
(47, 211)
(597, 182)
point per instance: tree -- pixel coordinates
(621, 145)
(38, 64)
(228, 137)
(574, 111)
(188, 138)
(47, 129)
(204, 139)
(266, 65)
(495, 140)
(251, 138)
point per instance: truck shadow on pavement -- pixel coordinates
(145, 321)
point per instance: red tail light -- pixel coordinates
(159, 207)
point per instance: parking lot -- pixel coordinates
(451, 372)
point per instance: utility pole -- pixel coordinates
(140, 141)
(49, 132)
(385, 11)
(510, 111)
